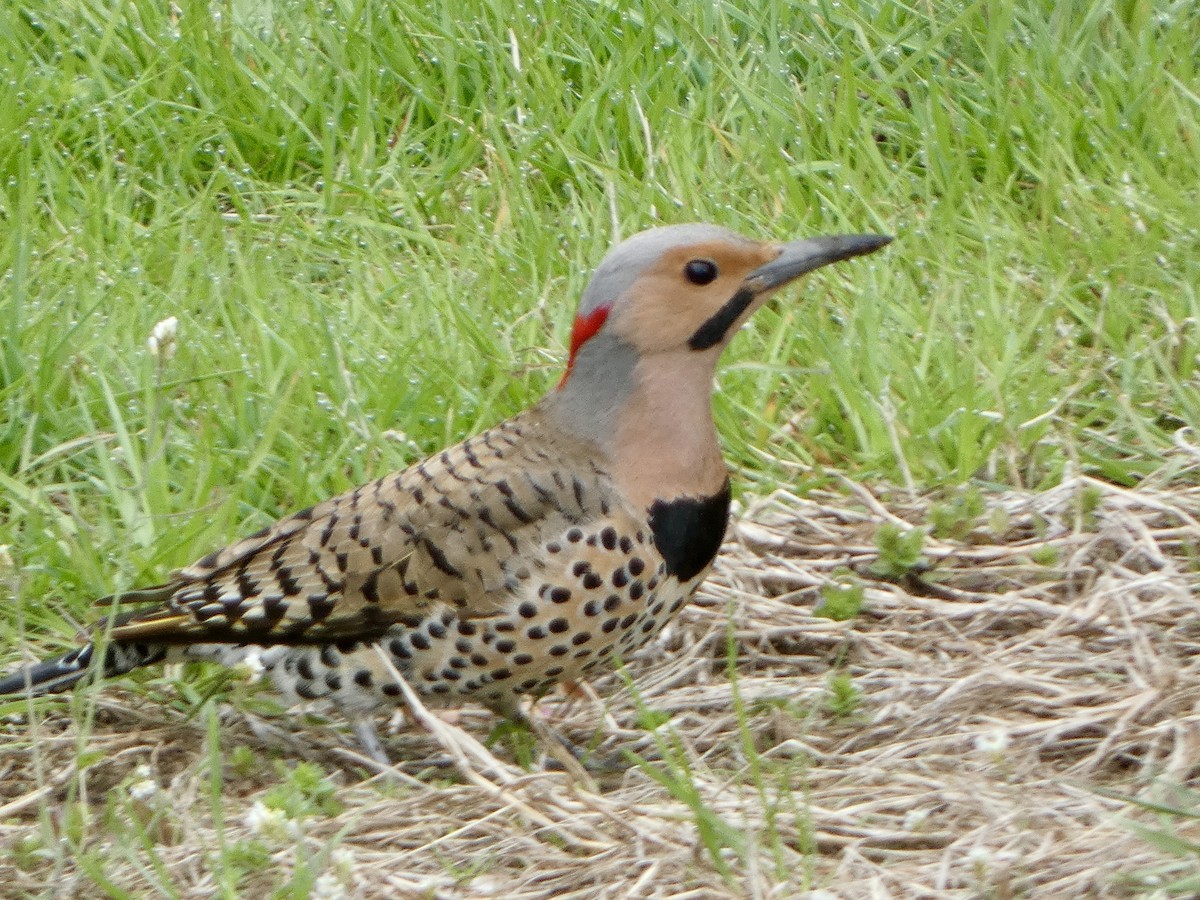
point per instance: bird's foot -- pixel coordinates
(522, 733)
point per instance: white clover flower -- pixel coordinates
(341, 861)
(161, 342)
(981, 856)
(993, 742)
(270, 824)
(143, 790)
(145, 786)
(251, 665)
(328, 887)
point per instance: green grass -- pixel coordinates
(372, 221)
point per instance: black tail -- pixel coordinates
(51, 676)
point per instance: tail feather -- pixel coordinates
(61, 673)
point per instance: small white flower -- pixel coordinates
(915, 818)
(341, 861)
(270, 824)
(993, 742)
(161, 342)
(483, 886)
(328, 887)
(981, 856)
(252, 665)
(145, 786)
(143, 790)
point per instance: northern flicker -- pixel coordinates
(525, 555)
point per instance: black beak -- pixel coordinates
(799, 257)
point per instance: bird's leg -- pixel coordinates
(557, 746)
(368, 737)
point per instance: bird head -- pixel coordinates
(651, 326)
(686, 290)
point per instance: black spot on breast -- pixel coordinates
(688, 531)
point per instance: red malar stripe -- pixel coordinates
(582, 331)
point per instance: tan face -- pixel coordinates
(683, 289)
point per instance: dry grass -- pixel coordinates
(1046, 657)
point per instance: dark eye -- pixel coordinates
(700, 271)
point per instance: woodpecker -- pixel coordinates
(528, 554)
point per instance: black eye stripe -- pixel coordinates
(700, 271)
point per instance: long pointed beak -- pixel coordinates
(798, 257)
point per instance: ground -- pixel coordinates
(981, 727)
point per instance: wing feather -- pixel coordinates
(454, 532)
